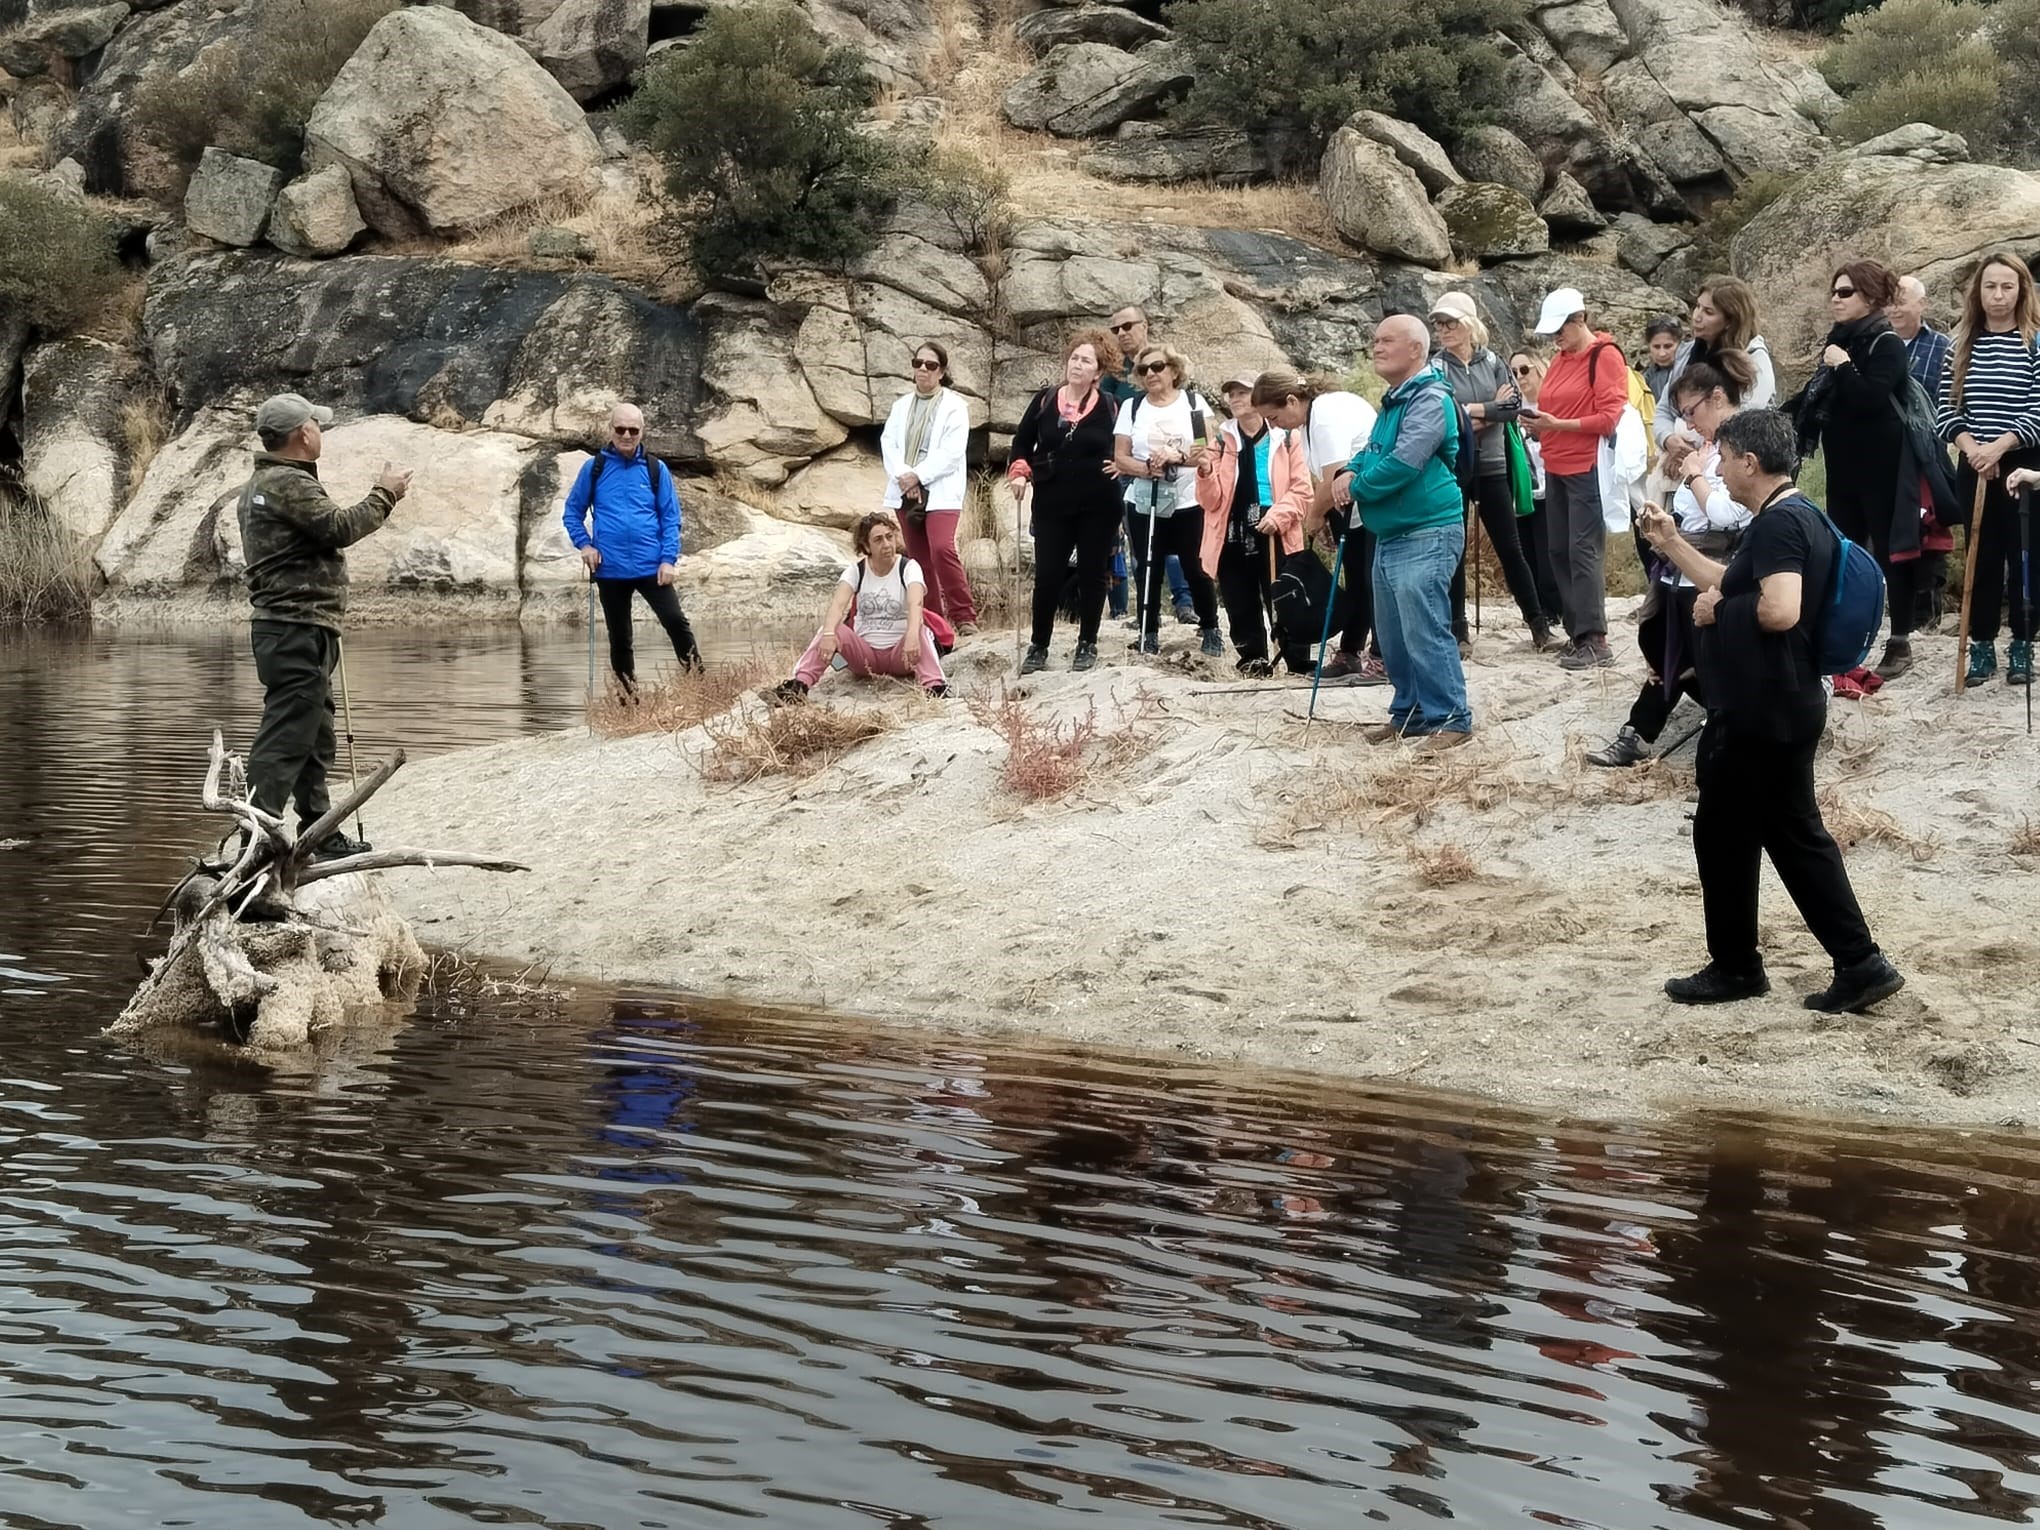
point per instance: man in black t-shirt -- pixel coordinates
(1757, 620)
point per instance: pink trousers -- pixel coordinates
(933, 546)
(863, 659)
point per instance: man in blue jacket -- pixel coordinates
(634, 544)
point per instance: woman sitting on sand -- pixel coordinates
(874, 622)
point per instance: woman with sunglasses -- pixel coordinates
(1527, 368)
(924, 444)
(1163, 435)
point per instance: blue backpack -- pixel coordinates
(1854, 608)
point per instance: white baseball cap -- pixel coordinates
(1558, 307)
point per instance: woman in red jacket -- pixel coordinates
(1578, 407)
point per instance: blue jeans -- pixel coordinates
(1413, 624)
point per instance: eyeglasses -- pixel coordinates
(1843, 292)
(625, 430)
(1146, 368)
(1120, 329)
(1444, 321)
(1523, 371)
(926, 366)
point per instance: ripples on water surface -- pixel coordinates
(622, 1261)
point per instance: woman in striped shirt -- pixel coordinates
(1990, 411)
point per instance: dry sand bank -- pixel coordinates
(1496, 920)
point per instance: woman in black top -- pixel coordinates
(1851, 408)
(1990, 411)
(1063, 448)
(1757, 620)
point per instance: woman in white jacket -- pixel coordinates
(925, 439)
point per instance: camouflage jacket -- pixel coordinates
(292, 535)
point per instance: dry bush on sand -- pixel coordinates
(2026, 838)
(1852, 826)
(684, 701)
(1443, 866)
(797, 740)
(1047, 759)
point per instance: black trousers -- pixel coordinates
(1090, 535)
(1997, 554)
(665, 603)
(1496, 505)
(293, 749)
(1654, 703)
(1245, 585)
(1868, 524)
(1353, 603)
(1182, 536)
(1537, 549)
(1756, 799)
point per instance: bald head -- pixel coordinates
(1401, 347)
(626, 428)
(1908, 310)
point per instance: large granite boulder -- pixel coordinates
(1932, 221)
(539, 354)
(855, 341)
(763, 420)
(1156, 152)
(1491, 222)
(1113, 25)
(229, 198)
(1491, 153)
(1082, 89)
(43, 40)
(167, 540)
(1569, 211)
(1377, 201)
(1586, 35)
(1918, 140)
(593, 46)
(1644, 246)
(1410, 144)
(74, 451)
(315, 216)
(444, 125)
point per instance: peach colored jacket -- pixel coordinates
(1288, 483)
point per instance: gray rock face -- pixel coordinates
(1665, 134)
(1586, 35)
(73, 453)
(1083, 89)
(229, 198)
(1113, 25)
(765, 421)
(537, 354)
(1644, 246)
(1147, 151)
(315, 215)
(1918, 141)
(1491, 222)
(444, 125)
(31, 47)
(593, 46)
(1617, 300)
(1568, 211)
(1490, 153)
(1412, 145)
(1377, 201)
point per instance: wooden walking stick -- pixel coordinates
(1968, 586)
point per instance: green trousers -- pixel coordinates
(293, 748)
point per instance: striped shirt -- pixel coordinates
(2000, 393)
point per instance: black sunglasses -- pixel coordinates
(1120, 329)
(926, 366)
(625, 430)
(1154, 366)
(1843, 292)
(1522, 371)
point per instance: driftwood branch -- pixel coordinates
(383, 860)
(315, 833)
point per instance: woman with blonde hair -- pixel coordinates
(1062, 449)
(1163, 436)
(1481, 382)
(1990, 412)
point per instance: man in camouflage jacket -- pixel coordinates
(291, 536)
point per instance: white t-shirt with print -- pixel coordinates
(1339, 425)
(1156, 425)
(879, 613)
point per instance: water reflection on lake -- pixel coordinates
(627, 1261)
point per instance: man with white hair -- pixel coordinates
(1407, 493)
(624, 516)
(1926, 350)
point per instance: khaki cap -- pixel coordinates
(280, 415)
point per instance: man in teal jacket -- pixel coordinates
(1408, 495)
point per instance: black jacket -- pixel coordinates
(1070, 464)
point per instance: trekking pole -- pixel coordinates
(2026, 582)
(589, 703)
(1147, 575)
(1474, 516)
(1268, 595)
(1325, 637)
(1968, 584)
(347, 722)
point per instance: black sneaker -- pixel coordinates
(1627, 748)
(336, 846)
(1714, 985)
(1210, 644)
(1858, 987)
(1036, 660)
(786, 692)
(1255, 669)
(1186, 616)
(938, 690)
(1087, 655)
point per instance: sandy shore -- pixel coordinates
(1496, 920)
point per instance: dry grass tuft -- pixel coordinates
(1852, 826)
(455, 978)
(631, 238)
(144, 427)
(45, 575)
(2026, 838)
(1044, 760)
(1444, 866)
(793, 740)
(684, 701)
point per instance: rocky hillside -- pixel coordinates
(472, 263)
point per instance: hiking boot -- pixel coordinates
(1627, 748)
(1036, 660)
(1588, 653)
(1340, 665)
(966, 629)
(1186, 616)
(1087, 655)
(1381, 733)
(1210, 644)
(1857, 987)
(1146, 643)
(1446, 738)
(1541, 636)
(1715, 984)
(1371, 671)
(2019, 662)
(1982, 663)
(786, 693)
(938, 690)
(1255, 669)
(1898, 658)
(337, 846)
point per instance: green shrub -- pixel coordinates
(1897, 38)
(969, 193)
(253, 96)
(2013, 32)
(1964, 94)
(1924, 61)
(758, 125)
(1305, 66)
(58, 264)
(1728, 217)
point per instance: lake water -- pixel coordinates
(622, 1260)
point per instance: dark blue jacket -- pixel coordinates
(637, 514)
